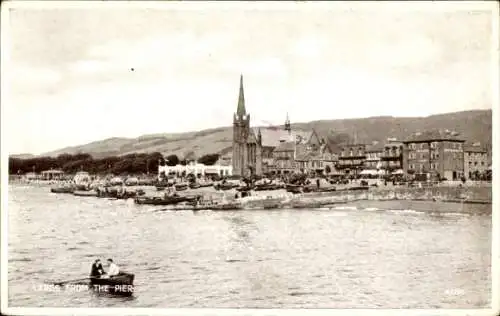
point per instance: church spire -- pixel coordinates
(241, 100)
(288, 127)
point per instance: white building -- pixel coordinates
(197, 169)
(82, 177)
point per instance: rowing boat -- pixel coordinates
(85, 193)
(62, 190)
(165, 200)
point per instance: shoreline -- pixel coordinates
(276, 199)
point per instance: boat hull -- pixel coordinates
(62, 190)
(164, 201)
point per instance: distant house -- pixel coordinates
(52, 174)
(352, 158)
(31, 176)
(82, 177)
(373, 156)
(435, 153)
(318, 160)
(392, 156)
(475, 161)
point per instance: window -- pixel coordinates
(482, 163)
(412, 166)
(422, 146)
(350, 153)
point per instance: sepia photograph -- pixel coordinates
(249, 158)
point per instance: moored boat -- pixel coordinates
(62, 190)
(229, 206)
(225, 186)
(174, 199)
(181, 186)
(268, 187)
(121, 284)
(294, 188)
(243, 188)
(85, 193)
(160, 187)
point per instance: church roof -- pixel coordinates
(285, 146)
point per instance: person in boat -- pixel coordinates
(96, 271)
(113, 269)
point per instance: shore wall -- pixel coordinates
(446, 194)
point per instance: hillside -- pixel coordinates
(22, 156)
(472, 125)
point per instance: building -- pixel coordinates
(392, 157)
(320, 160)
(475, 161)
(82, 177)
(434, 154)
(278, 143)
(52, 174)
(283, 158)
(303, 152)
(351, 159)
(373, 156)
(31, 176)
(247, 145)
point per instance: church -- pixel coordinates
(247, 145)
(257, 151)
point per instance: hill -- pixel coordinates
(22, 156)
(473, 126)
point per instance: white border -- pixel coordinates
(212, 5)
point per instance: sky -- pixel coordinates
(82, 74)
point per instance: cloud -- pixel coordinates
(149, 53)
(412, 52)
(25, 77)
(268, 67)
(308, 47)
(320, 65)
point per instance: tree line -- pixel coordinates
(136, 163)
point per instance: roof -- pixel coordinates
(272, 137)
(374, 148)
(433, 135)
(474, 149)
(304, 155)
(52, 171)
(285, 146)
(348, 145)
(393, 144)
